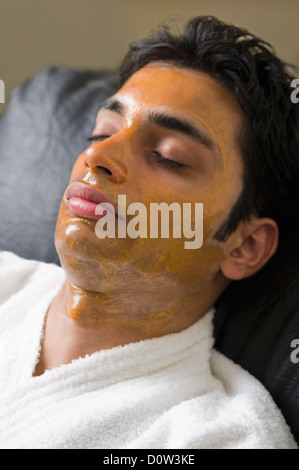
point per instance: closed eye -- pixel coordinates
(97, 137)
(166, 161)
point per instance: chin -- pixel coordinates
(89, 262)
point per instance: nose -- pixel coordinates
(100, 162)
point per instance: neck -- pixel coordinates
(81, 322)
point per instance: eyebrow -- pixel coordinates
(167, 122)
(182, 126)
(113, 105)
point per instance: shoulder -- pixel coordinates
(17, 274)
(234, 412)
(249, 407)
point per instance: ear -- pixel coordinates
(249, 248)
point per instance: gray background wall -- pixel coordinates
(96, 33)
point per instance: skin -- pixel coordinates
(119, 291)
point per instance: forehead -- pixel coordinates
(161, 81)
(185, 92)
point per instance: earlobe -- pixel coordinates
(253, 247)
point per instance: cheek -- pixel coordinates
(170, 258)
(219, 197)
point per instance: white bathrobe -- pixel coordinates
(172, 392)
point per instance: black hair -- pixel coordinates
(247, 66)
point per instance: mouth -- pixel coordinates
(86, 201)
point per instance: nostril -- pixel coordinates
(105, 169)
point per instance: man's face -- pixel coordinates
(168, 135)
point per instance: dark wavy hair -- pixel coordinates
(248, 67)
(269, 142)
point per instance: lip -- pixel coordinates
(82, 199)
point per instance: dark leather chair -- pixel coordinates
(41, 135)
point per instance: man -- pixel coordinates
(115, 349)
